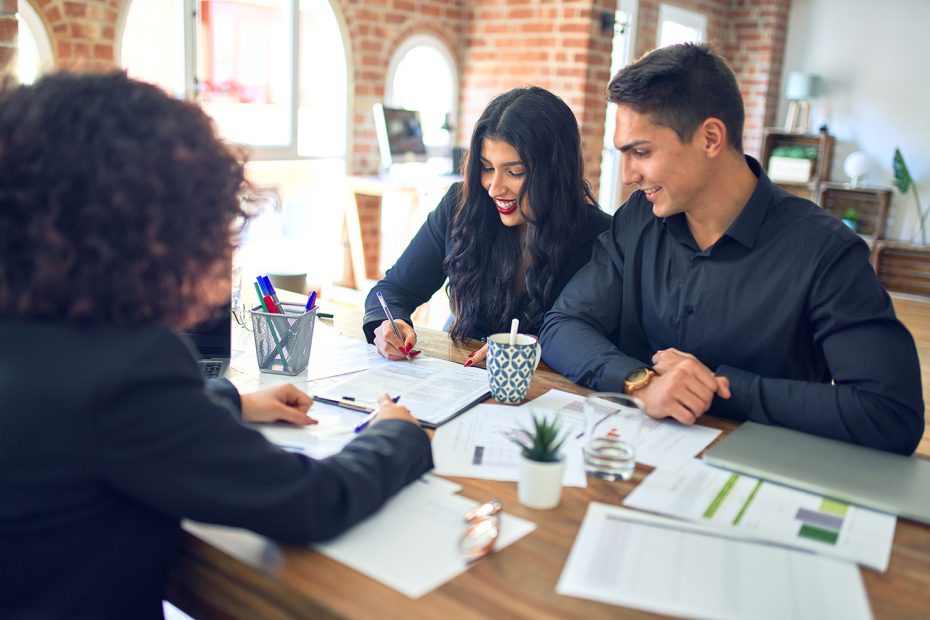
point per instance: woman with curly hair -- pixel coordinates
(508, 238)
(118, 213)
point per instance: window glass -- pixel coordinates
(152, 44)
(424, 79)
(34, 50)
(322, 103)
(244, 69)
(677, 25)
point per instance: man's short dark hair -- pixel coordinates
(679, 87)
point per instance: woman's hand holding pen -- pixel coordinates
(389, 410)
(390, 346)
(476, 356)
(282, 402)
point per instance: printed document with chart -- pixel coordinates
(763, 510)
(434, 390)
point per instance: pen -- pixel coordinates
(371, 416)
(310, 300)
(387, 313)
(345, 404)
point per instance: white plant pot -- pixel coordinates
(540, 484)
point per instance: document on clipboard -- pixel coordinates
(434, 390)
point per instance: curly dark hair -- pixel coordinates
(487, 257)
(118, 204)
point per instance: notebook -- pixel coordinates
(213, 339)
(888, 482)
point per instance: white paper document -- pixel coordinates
(411, 544)
(662, 443)
(334, 429)
(661, 565)
(433, 390)
(764, 510)
(475, 445)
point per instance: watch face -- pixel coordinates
(637, 375)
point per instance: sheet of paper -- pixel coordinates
(661, 565)
(663, 443)
(411, 544)
(474, 445)
(767, 511)
(433, 390)
(335, 428)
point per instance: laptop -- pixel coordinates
(213, 339)
(892, 483)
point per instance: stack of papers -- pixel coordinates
(647, 562)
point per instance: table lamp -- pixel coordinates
(799, 89)
(856, 165)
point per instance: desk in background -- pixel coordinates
(274, 581)
(364, 224)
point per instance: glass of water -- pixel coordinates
(613, 422)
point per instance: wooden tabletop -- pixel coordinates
(267, 580)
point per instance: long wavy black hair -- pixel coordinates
(488, 258)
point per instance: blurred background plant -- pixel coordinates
(903, 181)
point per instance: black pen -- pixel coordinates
(348, 402)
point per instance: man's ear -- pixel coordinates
(712, 134)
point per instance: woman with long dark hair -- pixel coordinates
(508, 238)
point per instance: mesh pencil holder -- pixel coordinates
(282, 341)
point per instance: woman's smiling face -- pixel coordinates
(502, 175)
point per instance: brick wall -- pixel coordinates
(559, 46)
(83, 32)
(8, 29)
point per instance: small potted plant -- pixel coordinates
(851, 219)
(541, 465)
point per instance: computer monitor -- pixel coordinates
(400, 135)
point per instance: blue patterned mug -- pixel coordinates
(511, 366)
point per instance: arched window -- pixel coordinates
(422, 76)
(34, 50)
(254, 65)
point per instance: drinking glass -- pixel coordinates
(612, 427)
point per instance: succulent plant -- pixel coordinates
(542, 442)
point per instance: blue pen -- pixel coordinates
(310, 301)
(272, 292)
(371, 416)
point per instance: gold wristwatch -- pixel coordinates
(638, 379)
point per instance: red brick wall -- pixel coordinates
(83, 32)
(8, 29)
(559, 46)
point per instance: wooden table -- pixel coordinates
(275, 581)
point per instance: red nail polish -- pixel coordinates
(472, 353)
(414, 353)
(469, 363)
(408, 347)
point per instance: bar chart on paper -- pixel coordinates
(763, 510)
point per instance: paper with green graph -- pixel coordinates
(763, 510)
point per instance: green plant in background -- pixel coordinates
(851, 214)
(796, 152)
(903, 181)
(542, 443)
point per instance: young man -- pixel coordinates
(717, 292)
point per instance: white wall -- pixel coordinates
(874, 62)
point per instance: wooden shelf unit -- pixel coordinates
(773, 137)
(870, 202)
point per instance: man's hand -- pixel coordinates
(282, 402)
(392, 348)
(683, 389)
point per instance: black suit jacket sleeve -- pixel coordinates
(418, 273)
(170, 445)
